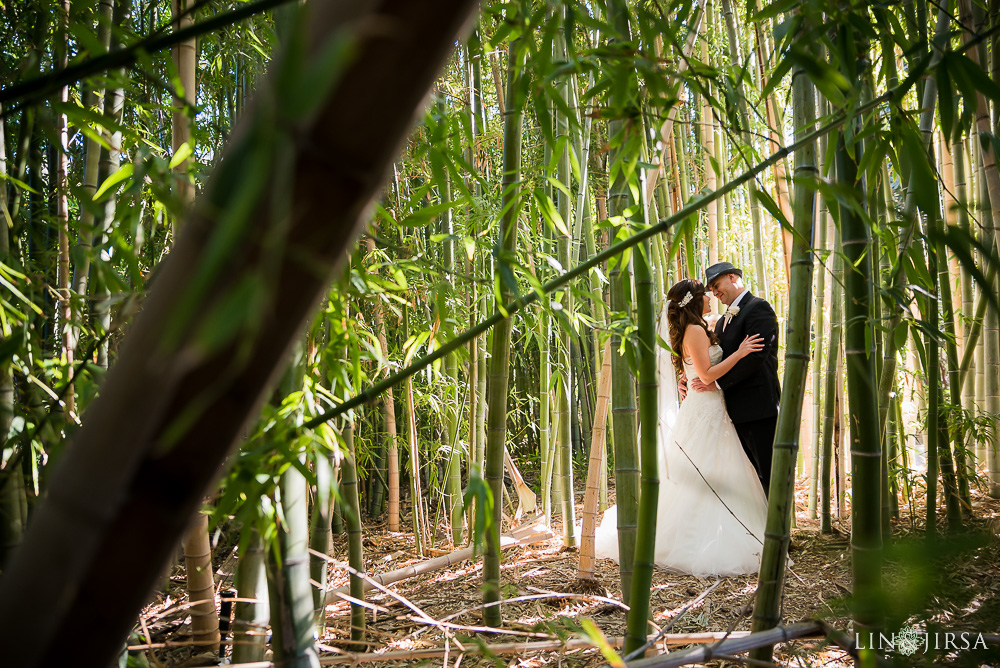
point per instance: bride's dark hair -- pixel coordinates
(682, 311)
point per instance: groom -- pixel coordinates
(751, 387)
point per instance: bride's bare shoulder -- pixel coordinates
(695, 333)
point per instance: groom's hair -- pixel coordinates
(679, 317)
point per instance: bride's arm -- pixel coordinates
(697, 344)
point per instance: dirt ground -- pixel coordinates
(956, 591)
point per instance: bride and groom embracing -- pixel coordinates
(715, 448)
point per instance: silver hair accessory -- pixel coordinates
(687, 299)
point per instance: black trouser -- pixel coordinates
(757, 438)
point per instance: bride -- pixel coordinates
(711, 509)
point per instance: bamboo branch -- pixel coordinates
(42, 86)
(504, 648)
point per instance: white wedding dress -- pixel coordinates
(711, 510)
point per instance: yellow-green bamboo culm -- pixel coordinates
(499, 367)
(623, 411)
(865, 436)
(781, 495)
(565, 408)
(642, 575)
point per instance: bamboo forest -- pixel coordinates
(510, 332)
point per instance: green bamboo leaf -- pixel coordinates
(923, 183)
(183, 153)
(425, 215)
(549, 212)
(124, 172)
(902, 330)
(976, 76)
(946, 101)
(17, 182)
(20, 295)
(595, 636)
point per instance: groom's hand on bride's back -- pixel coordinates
(682, 386)
(699, 386)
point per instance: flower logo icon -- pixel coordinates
(908, 640)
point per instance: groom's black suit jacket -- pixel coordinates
(751, 386)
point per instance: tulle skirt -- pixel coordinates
(711, 508)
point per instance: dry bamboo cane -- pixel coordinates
(983, 124)
(597, 450)
(711, 182)
(526, 534)
(652, 177)
(779, 171)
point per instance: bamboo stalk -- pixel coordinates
(781, 495)
(670, 639)
(596, 465)
(251, 613)
(526, 534)
(565, 407)
(64, 316)
(819, 327)
(496, 434)
(200, 585)
(288, 588)
(613, 250)
(642, 575)
(866, 459)
(776, 140)
(887, 378)
(747, 150)
(731, 646)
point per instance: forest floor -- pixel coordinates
(954, 586)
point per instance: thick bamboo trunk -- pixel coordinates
(642, 575)
(866, 460)
(288, 577)
(200, 585)
(781, 496)
(623, 410)
(544, 412)
(114, 103)
(496, 435)
(106, 489)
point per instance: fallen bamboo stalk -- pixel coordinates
(503, 648)
(524, 535)
(734, 645)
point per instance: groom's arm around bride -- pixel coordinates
(751, 386)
